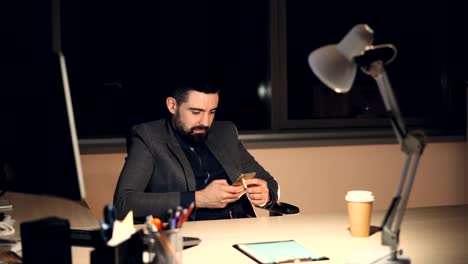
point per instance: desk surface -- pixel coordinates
(428, 235)
(29, 207)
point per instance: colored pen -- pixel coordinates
(173, 220)
(170, 214)
(182, 218)
(186, 214)
(189, 210)
(157, 223)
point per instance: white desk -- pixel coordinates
(428, 235)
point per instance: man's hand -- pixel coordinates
(218, 194)
(257, 191)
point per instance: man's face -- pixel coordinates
(194, 117)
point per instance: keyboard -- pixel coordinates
(91, 238)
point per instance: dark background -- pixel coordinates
(124, 57)
(427, 74)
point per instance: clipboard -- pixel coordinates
(285, 251)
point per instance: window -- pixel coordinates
(124, 57)
(426, 75)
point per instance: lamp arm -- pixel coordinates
(377, 71)
(411, 144)
(394, 217)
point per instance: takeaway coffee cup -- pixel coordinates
(359, 212)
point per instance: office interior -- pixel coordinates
(315, 175)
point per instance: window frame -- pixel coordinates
(279, 87)
(299, 133)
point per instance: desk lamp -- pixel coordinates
(335, 65)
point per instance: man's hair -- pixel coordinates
(181, 92)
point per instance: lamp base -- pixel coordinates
(377, 256)
(398, 260)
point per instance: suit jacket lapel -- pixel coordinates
(180, 155)
(221, 155)
(178, 152)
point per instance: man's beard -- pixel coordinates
(189, 135)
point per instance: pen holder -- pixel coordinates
(169, 246)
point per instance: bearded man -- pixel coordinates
(190, 158)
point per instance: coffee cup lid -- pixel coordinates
(359, 196)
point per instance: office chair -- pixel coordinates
(282, 208)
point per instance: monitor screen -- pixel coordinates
(39, 151)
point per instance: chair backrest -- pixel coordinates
(281, 208)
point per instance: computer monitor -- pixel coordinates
(39, 151)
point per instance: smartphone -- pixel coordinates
(245, 176)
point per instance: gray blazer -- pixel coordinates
(156, 169)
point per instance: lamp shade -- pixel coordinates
(333, 68)
(334, 64)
